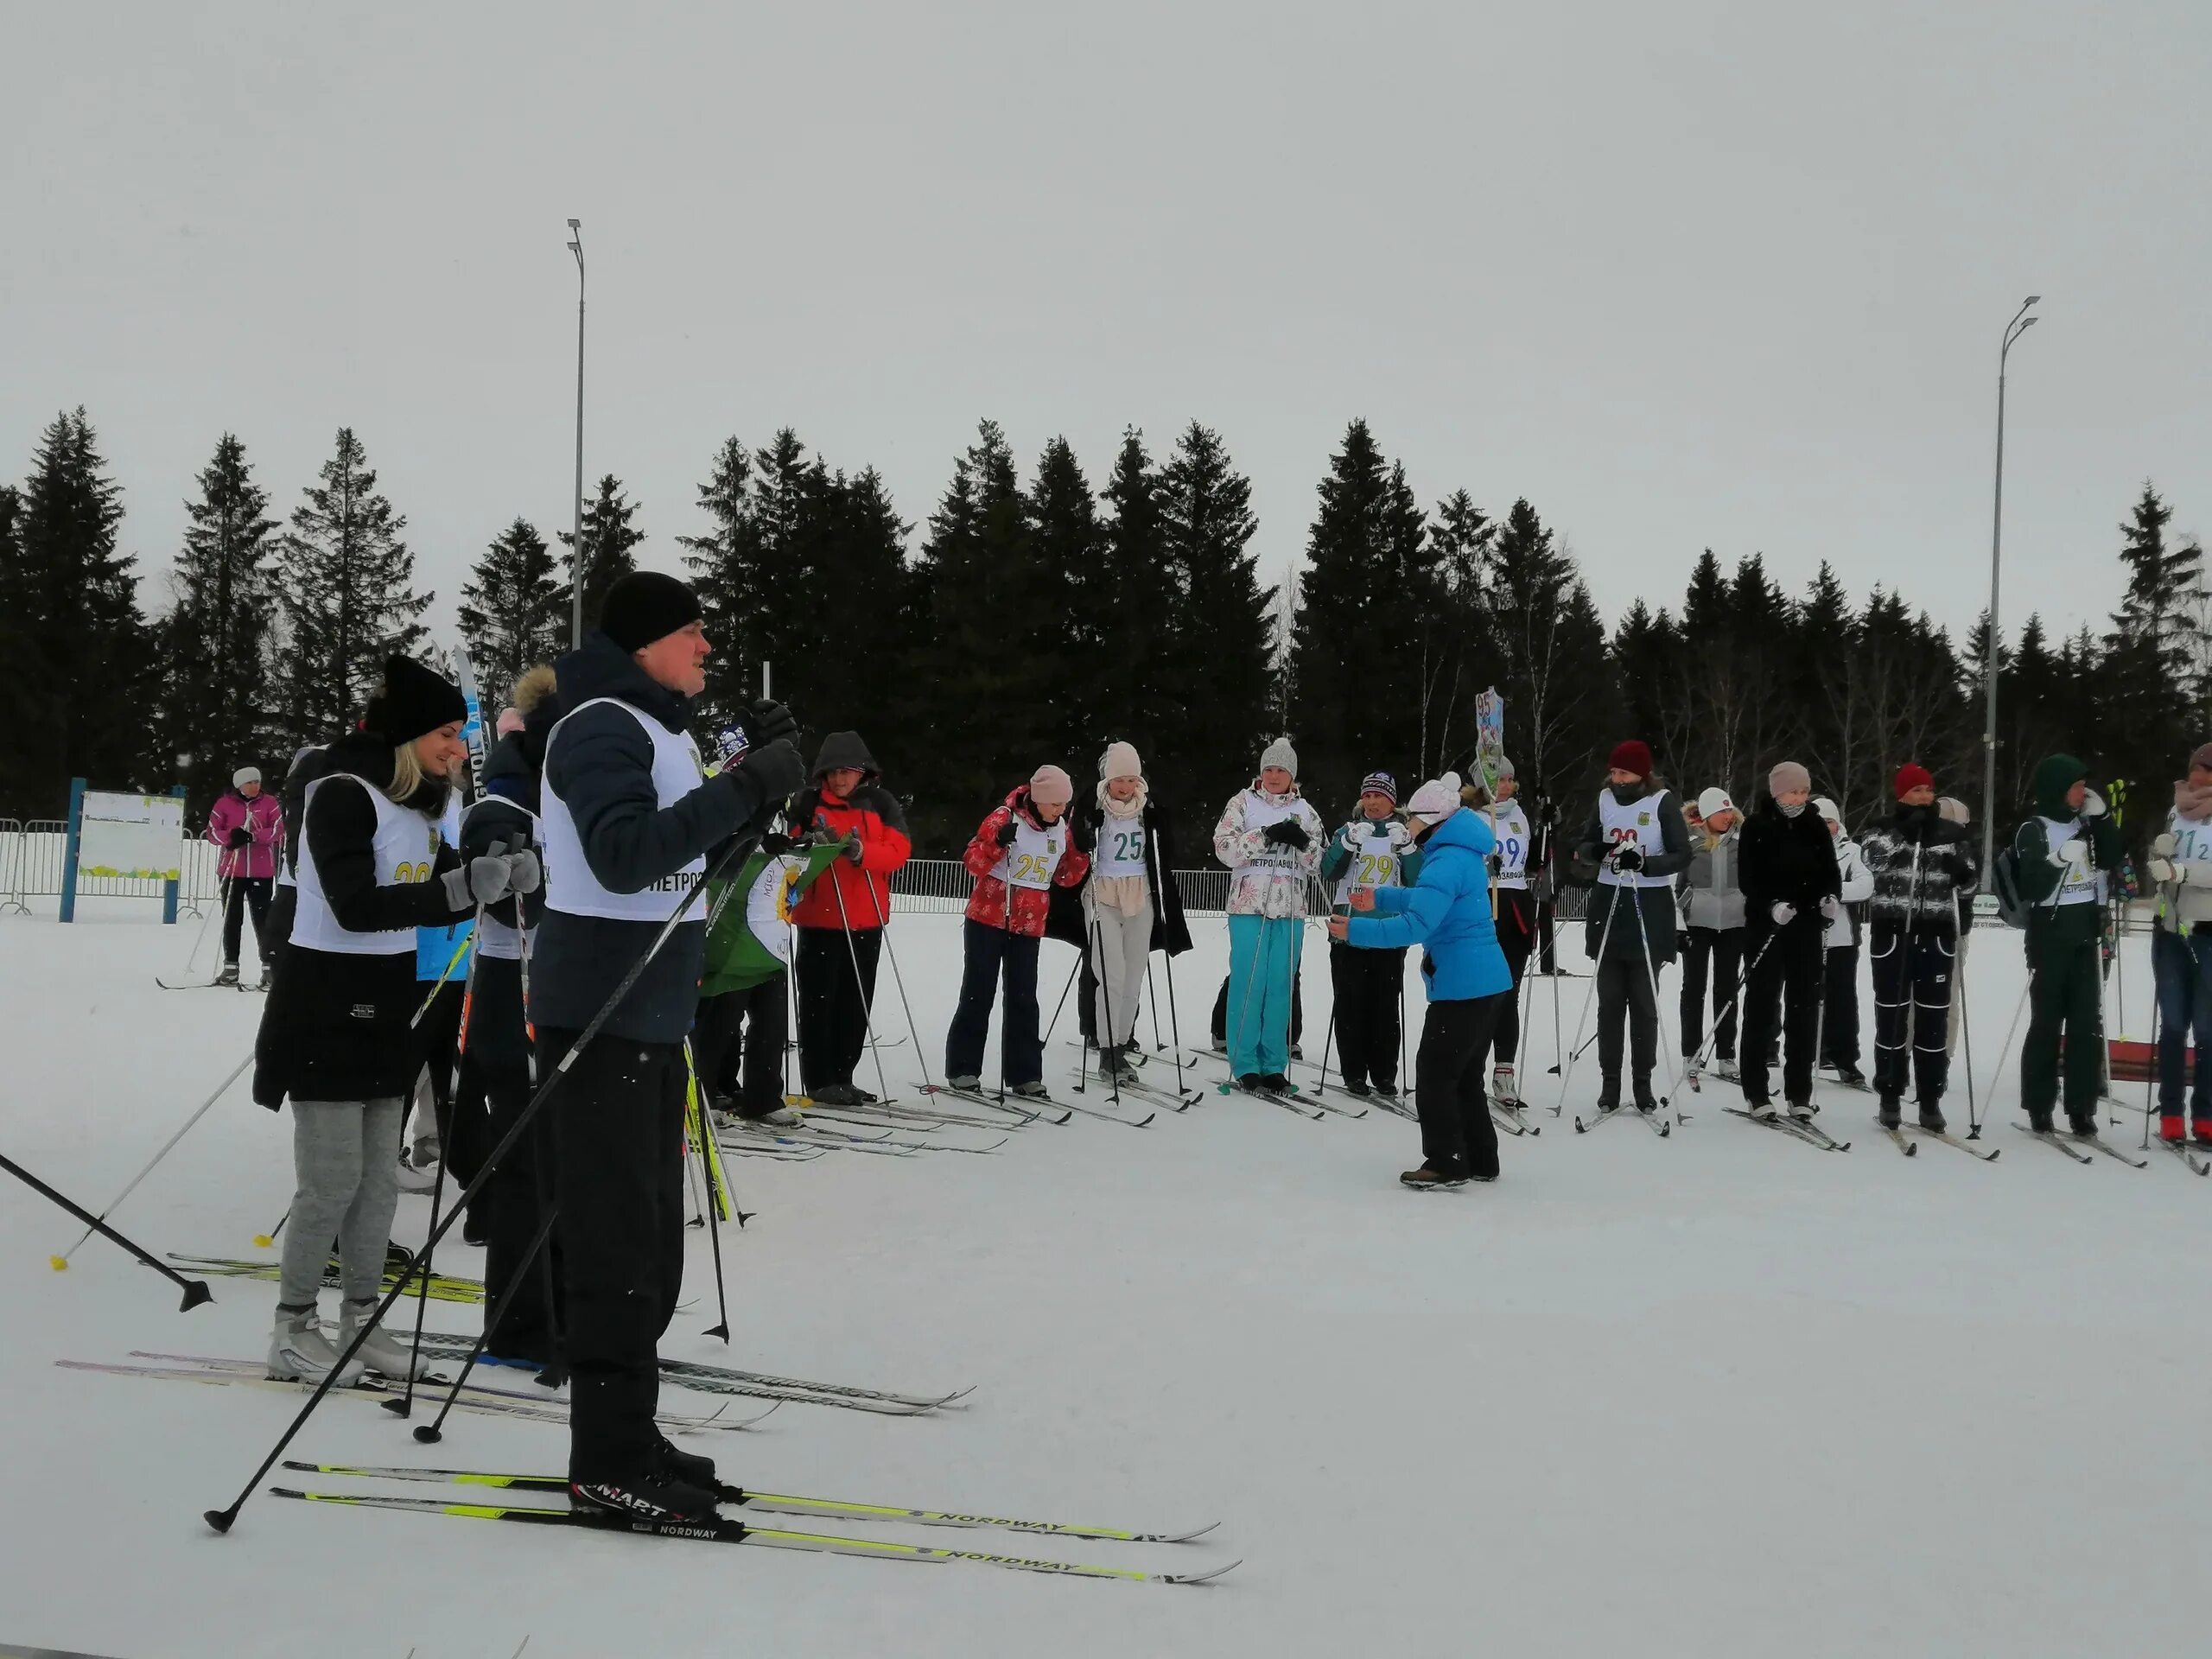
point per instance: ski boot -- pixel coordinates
(229, 975)
(779, 1116)
(969, 1082)
(2171, 1127)
(1357, 1090)
(383, 1352)
(1851, 1075)
(1114, 1064)
(1276, 1083)
(1889, 1115)
(2039, 1120)
(672, 1462)
(644, 1498)
(1502, 1089)
(1386, 1092)
(299, 1352)
(1724, 1069)
(2204, 1131)
(1029, 1090)
(1802, 1111)
(1609, 1092)
(1931, 1117)
(1429, 1179)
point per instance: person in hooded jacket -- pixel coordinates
(1791, 883)
(334, 1039)
(1635, 840)
(2064, 857)
(1023, 848)
(2180, 955)
(249, 826)
(1922, 866)
(1713, 926)
(840, 918)
(1126, 908)
(1447, 911)
(630, 815)
(496, 1077)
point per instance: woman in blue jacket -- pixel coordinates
(1447, 913)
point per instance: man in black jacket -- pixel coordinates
(629, 817)
(1790, 885)
(1921, 867)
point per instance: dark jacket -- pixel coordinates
(497, 1037)
(601, 767)
(1786, 861)
(2040, 873)
(1923, 868)
(335, 1027)
(848, 894)
(1647, 920)
(1169, 931)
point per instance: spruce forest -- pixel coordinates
(1033, 617)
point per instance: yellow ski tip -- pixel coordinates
(59, 1263)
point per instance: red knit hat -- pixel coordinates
(1911, 776)
(1634, 755)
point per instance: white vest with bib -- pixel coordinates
(406, 851)
(1034, 856)
(1377, 858)
(1637, 824)
(571, 888)
(1259, 813)
(2075, 887)
(496, 939)
(1120, 847)
(1512, 826)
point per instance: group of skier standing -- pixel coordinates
(598, 819)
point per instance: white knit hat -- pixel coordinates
(1280, 753)
(1120, 760)
(1826, 808)
(1505, 767)
(245, 775)
(1952, 810)
(1435, 800)
(1714, 800)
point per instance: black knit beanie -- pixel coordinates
(645, 605)
(410, 700)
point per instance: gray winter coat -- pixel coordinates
(1711, 896)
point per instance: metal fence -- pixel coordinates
(33, 856)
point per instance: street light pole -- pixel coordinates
(576, 536)
(2020, 324)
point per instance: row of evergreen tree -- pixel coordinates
(1038, 620)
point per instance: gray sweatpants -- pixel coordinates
(346, 1159)
(1121, 944)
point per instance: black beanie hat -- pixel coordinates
(410, 700)
(645, 605)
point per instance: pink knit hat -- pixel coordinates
(1050, 787)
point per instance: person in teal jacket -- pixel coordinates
(1447, 911)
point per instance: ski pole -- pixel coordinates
(1052, 1025)
(1973, 1129)
(1565, 1067)
(223, 1519)
(704, 1132)
(1174, 1020)
(883, 934)
(1658, 1008)
(195, 1290)
(267, 1240)
(61, 1261)
(1106, 1008)
(1966, 1024)
(429, 1434)
(1742, 980)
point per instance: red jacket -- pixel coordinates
(863, 892)
(1032, 906)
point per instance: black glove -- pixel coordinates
(1287, 832)
(1628, 858)
(767, 722)
(1494, 864)
(241, 837)
(1007, 832)
(776, 843)
(774, 769)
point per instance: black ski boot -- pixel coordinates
(1276, 1083)
(2040, 1120)
(672, 1462)
(1609, 1092)
(1891, 1115)
(2084, 1127)
(1931, 1117)
(643, 1498)
(1646, 1102)
(1357, 1090)
(1849, 1074)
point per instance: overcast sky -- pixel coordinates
(1684, 275)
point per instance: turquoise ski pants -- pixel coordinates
(1263, 961)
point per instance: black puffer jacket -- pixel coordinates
(1923, 868)
(1786, 861)
(601, 767)
(335, 1027)
(1169, 931)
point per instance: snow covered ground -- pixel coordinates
(1722, 1394)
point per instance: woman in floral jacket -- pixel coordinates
(1271, 839)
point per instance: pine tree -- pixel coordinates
(1357, 674)
(2144, 697)
(1075, 584)
(862, 572)
(727, 569)
(1220, 657)
(1143, 601)
(347, 596)
(1457, 655)
(75, 682)
(1554, 672)
(608, 540)
(512, 615)
(1653, 663)
(215, 644)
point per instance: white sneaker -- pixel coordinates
(299, 1352)
(1501, 1086)
(384, 1352)
(415, 1177)
(1727, 1071)
(783, 1118)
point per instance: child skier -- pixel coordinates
(1375, 849)
(1022, 851)
(1712, 925)
(1270, 838)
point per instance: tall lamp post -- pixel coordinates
(576, 537)
(2020, 324)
